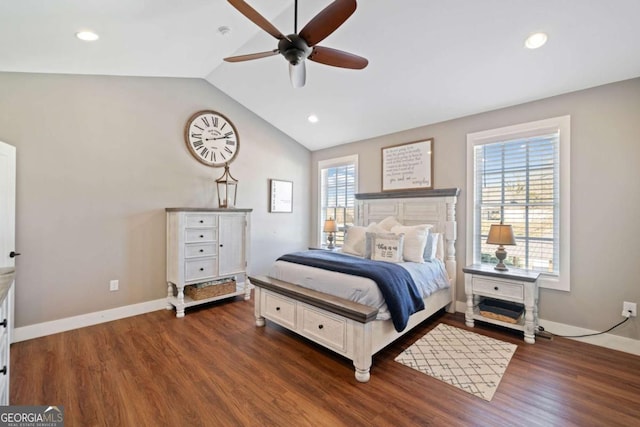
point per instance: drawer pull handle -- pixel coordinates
(277, 308)
(495, 288)
(13, 254)
(4, 323)
(4, 370)
(320, 326)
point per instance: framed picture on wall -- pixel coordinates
(408, 166)
(280, 196)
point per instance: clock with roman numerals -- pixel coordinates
(211, 138)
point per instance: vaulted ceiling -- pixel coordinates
(429, 60)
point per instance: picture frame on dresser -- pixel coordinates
(408, 166)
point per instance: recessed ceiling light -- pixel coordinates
(87, 36)
(535, 40)
(224, 30)
(313, 118)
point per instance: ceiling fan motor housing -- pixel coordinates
(294, 49)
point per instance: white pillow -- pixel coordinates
(386, 246)
(388, 223)
(415, 241)
(354, 241)
(431, 249)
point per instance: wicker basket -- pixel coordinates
(209, 290)
(501, 310)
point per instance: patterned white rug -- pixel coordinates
(472, 362)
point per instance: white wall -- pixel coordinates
(605, 194)
(99, 158)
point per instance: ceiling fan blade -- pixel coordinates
(337, 58)
(251, 56)
(327, 21)
(256, 18)
(298, 74)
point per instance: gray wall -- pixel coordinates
(98, 160)
(605, 194)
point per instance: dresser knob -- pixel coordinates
(277, 308)
(4, 370)
(4, 323)
(320, 326)
(201, 250)
(201, 236)
(495, 288)
(221, 245)
(201, 222)
(202, 269)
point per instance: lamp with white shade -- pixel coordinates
(330, 227)
(501, 234)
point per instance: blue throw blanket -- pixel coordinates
(396, 284)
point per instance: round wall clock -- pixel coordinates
(211, 138)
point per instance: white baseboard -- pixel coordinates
(24, 333)
(614, 342)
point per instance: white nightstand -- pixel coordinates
(513, 285)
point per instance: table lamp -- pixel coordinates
(330, 227)
(501, 234)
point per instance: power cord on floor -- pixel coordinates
(540, 328)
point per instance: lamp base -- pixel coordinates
(330, 240)
(501, 254)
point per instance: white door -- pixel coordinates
(7, 204)
(8, 218)
(232, 248)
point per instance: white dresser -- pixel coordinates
(6, 293)
(205, 245)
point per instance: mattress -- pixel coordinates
(429, 277)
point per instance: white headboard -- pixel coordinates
(437, 207)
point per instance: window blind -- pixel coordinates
(517, 183)
(338, 197)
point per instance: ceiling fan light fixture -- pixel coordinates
(535, 40)
(87, 36)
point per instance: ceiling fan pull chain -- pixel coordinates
(295, 18)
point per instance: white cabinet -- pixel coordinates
(205, 245)
(513, 285)
(6, 293)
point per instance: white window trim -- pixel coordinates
(330, 163)
(523, 130)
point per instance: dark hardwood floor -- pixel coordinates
(216, 368)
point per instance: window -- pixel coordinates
(520, 176)
(338, 186)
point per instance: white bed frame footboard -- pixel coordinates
(348, 328)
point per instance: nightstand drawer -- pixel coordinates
(279, 309)
(498, 288)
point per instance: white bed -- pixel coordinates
(354, 330)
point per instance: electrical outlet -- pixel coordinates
(114, 285)
(629, 309)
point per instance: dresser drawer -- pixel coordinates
(498, 288)
(279, 309)
(324, 328)
(199, 250)
(193, 235)
(200, 220)
(199, 269)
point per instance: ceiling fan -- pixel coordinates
(303, 45)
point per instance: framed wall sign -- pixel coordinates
(408, 166)
(280, 196)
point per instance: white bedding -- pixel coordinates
(429, 277)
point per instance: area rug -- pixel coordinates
(472, 362)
